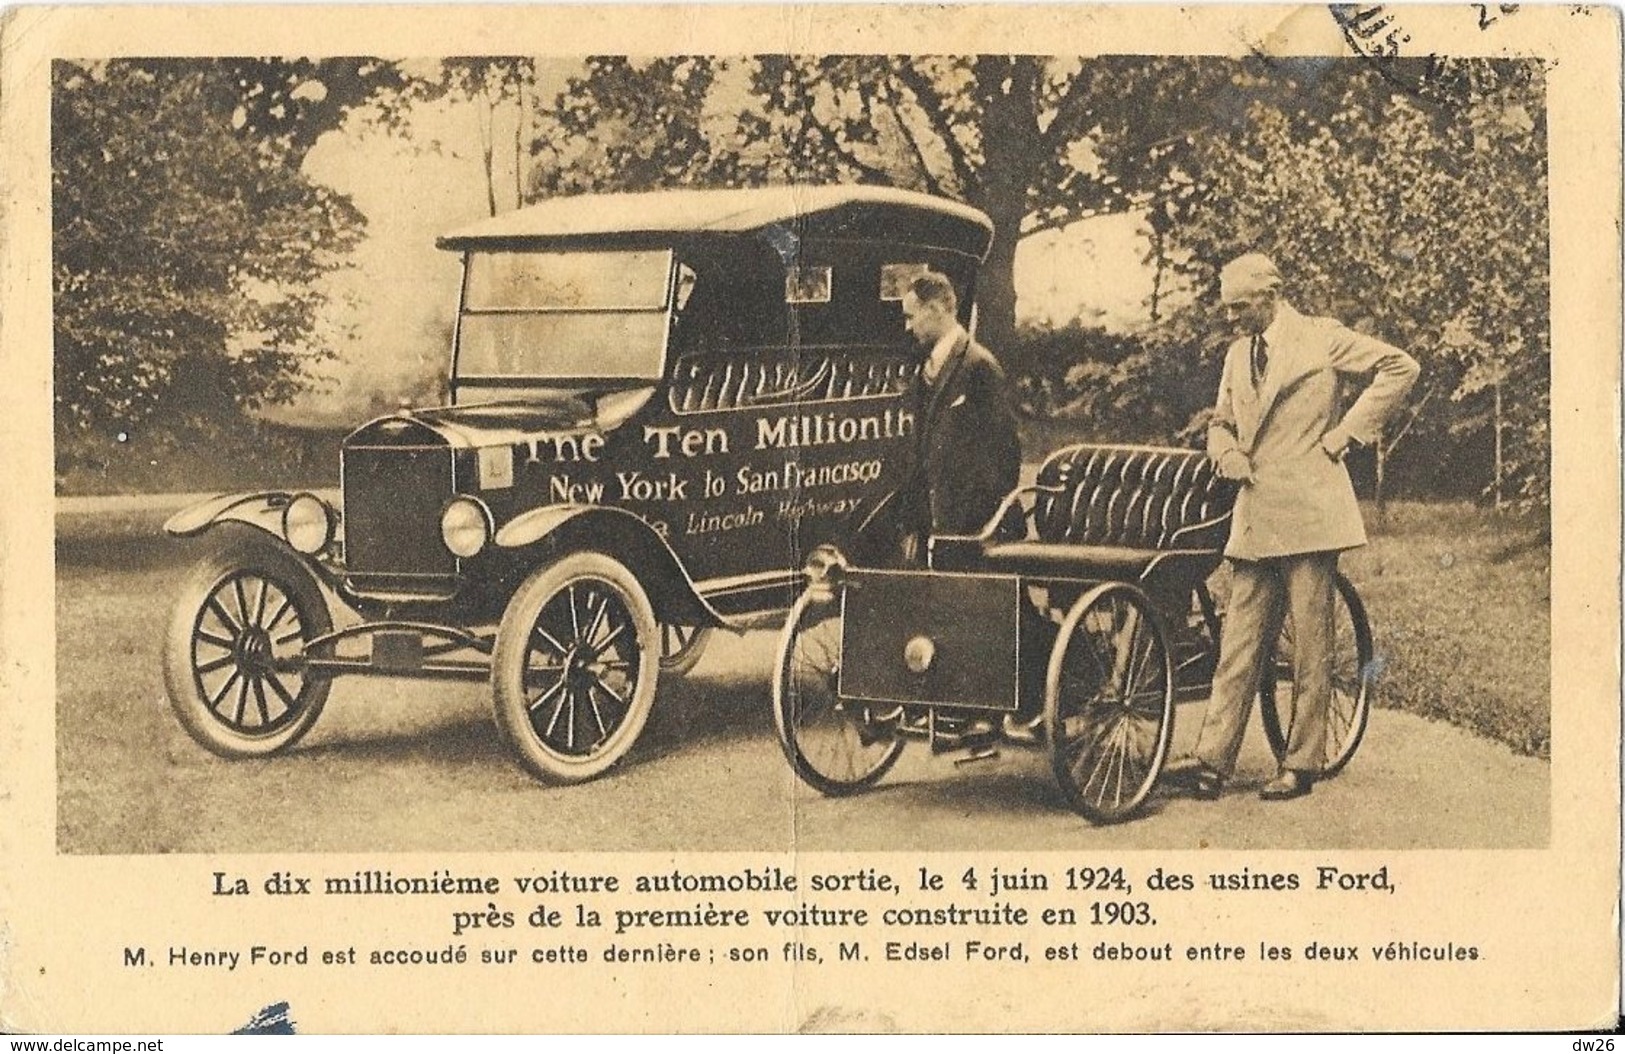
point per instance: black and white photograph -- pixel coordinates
(476, 423)
(1114, 461)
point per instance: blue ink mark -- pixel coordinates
(784, 241)
(272, 1021)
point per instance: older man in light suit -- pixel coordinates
(1276, 428)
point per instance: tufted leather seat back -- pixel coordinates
(738, 378)
(1134, 497)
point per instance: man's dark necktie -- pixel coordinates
(1261, 358)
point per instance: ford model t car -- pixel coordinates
(663, 408)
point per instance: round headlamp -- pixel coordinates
(465, 526)
(307, 524)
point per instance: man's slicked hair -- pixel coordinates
(933, 287)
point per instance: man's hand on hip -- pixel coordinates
(1233, 464)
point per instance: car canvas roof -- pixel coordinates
(886, 213)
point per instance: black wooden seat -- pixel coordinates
(1153, 515)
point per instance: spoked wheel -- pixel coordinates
(1109, 702)
(835, 745)
(1352, 675)
(682, 646)
(234, 654)
(574, 669)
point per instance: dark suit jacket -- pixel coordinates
(967, 453)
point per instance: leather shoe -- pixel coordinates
(1195, 777)
(1206, 785)
(1291, 783)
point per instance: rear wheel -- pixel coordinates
(835, 745)
(574, 669)
(1109, 702)
(234, 655)
(682, 646)
(1352, 687)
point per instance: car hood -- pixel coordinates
(494, 423)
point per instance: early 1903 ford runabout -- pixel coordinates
(1075, 635)
(664, 407)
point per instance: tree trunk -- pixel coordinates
(1159, 264)
(1499, 468)
(488, 131)
(518, 149)
(1010, 149)
(996, 288)
(1381, 495)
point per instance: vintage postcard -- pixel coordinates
(810, 518)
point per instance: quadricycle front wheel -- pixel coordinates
(1109, 702)
(837, 746)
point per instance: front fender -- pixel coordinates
(625, 537)
(262, 509)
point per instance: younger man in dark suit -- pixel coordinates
(967, 453)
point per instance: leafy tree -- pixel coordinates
(1407, 199)
(186, 242)
(1414, 208)
(1034, 142)
(491, 83)
(283, 105)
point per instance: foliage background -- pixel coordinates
(243, 264)
(207, 284)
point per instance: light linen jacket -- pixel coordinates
(1300, 499)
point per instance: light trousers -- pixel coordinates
(1262, 594)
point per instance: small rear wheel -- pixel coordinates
(1352, 687)
(835, 745)
(1109, 702)
(574, 669)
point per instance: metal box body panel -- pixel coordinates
(973, 625)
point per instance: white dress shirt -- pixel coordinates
(940, 352)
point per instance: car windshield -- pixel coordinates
(564, 315)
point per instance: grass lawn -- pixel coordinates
(1460, 601)
(256, 454)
